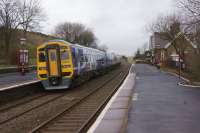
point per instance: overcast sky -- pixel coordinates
(120, 24)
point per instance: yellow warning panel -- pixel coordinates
(53, 62)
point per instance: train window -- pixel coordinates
(42, 57)
(64, 55)
(86, 58)
(82, 58)
(41, 49)
(63, 47)
(53, 56)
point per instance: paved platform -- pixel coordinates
(160, 105)
(113, 118)
(10, 80)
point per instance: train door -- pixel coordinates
(75, 60)
(81, 58)
(78, 57)
(53, 63)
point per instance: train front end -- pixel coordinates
(54, 65)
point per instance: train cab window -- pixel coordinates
(64, 55)
(42, 57)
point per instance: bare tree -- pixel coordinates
(9, 20)
(169, 26)
(16, 13)
(66, 31)
(191, 9)
(31, 15)
(87, 38)
(173, 31)
(75, 33)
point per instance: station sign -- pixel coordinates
(148, 54)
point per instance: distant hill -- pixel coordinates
(33, 40)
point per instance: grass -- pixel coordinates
(6, 66)
(190, 76)
(3, 64)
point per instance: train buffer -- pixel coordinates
(13, 80)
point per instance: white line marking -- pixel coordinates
(135, 97)
(18, 85)
(174, 74)
(185, 85)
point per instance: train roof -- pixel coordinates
(88, 48)
(52, 41)
(70, 44)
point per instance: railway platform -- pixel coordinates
(113, 118)
(13, 80)
(150, 102)
(160, 105)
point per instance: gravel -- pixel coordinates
(33, 118)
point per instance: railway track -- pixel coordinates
(52, 98)
(81, 115)
(10, 106)
(48, 98)
(23, 119)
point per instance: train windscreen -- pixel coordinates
(64, 55)
(42, 57)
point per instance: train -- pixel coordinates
(60, 63)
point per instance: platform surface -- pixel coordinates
(159, 105)
(114, 117)
(12, 79)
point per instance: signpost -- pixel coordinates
(23, 57)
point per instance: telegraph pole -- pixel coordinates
(179, 59)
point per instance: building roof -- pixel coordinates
(180, 35)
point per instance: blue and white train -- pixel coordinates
(60, 63)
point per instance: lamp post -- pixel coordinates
(179, 60)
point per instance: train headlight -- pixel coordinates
(42, 68)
